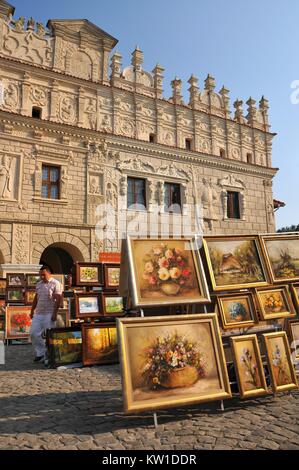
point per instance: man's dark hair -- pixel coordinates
(46, 268)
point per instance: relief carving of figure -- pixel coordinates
(92, 113)
(5, 177)
(67, 112)
(209, 200)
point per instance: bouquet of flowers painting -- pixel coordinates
(18, 322)
(167, 271)
(171, 362)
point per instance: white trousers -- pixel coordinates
(39, 324)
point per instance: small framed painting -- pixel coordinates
(18, 322)
(32, 280)
(275, 302)
(15, 295)
(63, 318)
(166, 272)
(112, 305)
(60, 278)
(99, 344)
(282, 371)
(87, 305)
(29, 296)
(2, 286)
(235, 262)
(64, 346)
(2, 303)
(295, 295)
(293, 332)
(237, 310)
(111, 276)
(171, 361)
(2, 322)
(88, 274)
(248, 366)
(15, 280)
(282, 256)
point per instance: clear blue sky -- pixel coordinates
(249, 46)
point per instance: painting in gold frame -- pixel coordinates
(166, 272)
(274, 302)
(235, 262)
(282, 256)
(293, 333)
(17, 322)
(295, 294)
(282, 372)
(237, 310)
(171, 361)
(248, 366)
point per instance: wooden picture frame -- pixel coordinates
(15, 280)
(194, 373)
(111, 279)
(274, 302)
(63, 318)
(88, 274)
(237, 310)
(99, 344)
(87, 305)
(29, 296)
(235, 262)
(282, 256)
(166, 272)
(64, 346)
(282, 372)
(32, 280)
(17, 322)
(295, 295)
(3, 284)
(248, 366)
(110, 308)
(293, 334)
(15, 295)
(60, 278)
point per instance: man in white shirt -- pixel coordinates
(44, 310)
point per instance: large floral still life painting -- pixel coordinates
(279, 358)
(235, 262)
(166, 272)
(172, 361)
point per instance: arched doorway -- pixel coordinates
(60, 257)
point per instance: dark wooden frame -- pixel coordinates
(51, 353)
(2, 292)
(104, 311)
(20, 275)
(49, 183)
(85, 360)
(77, 297)
(27, 277)
(10, 289)
(79, 265)
(26, 296)
(106, 266)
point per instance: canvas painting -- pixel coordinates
(87, 305)
(60, 278)
(18, 322)
(295, 294)
(64, 346)
(293, 329)
(237, 310)
(274, 302)
(29, 296)
(32, 280)
(282, 254)
(63, 318)
(2, 286)
(112, 304)
(112, 276)
(235, 262)
(171, 361)
(248, 366)
(165, 272)
(281, 368)
(2, 322)
(14, 280)
(15, 295)
(99, 344)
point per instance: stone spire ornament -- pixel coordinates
(238, 105)
(263, 107)
(137, 59)
(158, 80)
(116, 65)
(251, 116)
(177, 97)
(193, 91)
(224, 92)
(210, 83)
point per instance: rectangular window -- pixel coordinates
(233, 205)
(172, 200)
(51, 182)
(188, 144)
(152, 138)
(136, 192)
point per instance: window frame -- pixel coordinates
(51, 184)
(133, 178)
(232, 210)
(169, 184)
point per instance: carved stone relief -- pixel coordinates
(20, 244)
(96, 184)
(11, 95)
(68, 109)
(10, 174)
(38, 95)
(91, 113)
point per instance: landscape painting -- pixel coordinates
(112, 276)
(172, 361)
(234, 262)
(282, 254)
(248, 366)
(166, 271)
(87, 305)
(112, 304)
(99, 344)
(65, 346)
(237, 310)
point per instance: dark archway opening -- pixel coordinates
(60, 257)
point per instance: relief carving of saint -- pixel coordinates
(5, 178)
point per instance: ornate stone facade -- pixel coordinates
(97, 126)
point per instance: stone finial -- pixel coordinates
(210, 83)
(193, 90)
(238, 105)
(251, 110)
(224, 92)
(264, 106)
(116, 65)
(20, 24)
(137, 59)
(40, 30)
(158, 80)
(31, 24)
(6, 10)
(177, 91)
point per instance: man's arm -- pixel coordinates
(33, 306)
(57, 302)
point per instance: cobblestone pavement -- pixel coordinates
(82, 409)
